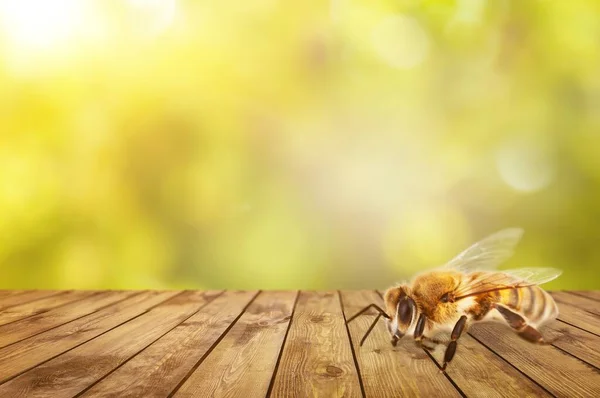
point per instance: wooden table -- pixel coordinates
(265, 343)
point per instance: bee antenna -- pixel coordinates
(370, 329)
(378, 308)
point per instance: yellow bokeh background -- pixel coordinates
(310, 144)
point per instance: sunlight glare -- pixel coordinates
(157, 15)
(40, 24)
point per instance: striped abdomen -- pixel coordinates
(532, 302)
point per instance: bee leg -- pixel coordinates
(519, 325)
(532, 335)
(423, 344)
(456, 332)
(427, 347)
(433, 343)
(381, 313)
(436, 341)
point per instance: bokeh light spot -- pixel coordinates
(525, 165)
(400, 41)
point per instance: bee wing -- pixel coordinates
(534, 276)
(488, 253)
(481, 282)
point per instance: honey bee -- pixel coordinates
(436, 307)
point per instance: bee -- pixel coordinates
(437, 306)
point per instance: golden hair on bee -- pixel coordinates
(437, 306)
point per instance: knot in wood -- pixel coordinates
(334, 371)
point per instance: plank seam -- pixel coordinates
(433, 359)
(513, 366)
(582, 295)
(445, 374)
(52, 308)
(87, 341)
(596, 314)
(360, 381)
(32, 301)
(72, 320)
(272, 382)
(578, 327)
(435, 362)
(495, 353)
(575, 356)
(212, 347)
(144, 348)
(458, 389)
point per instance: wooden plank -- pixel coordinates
(72, 372)
(477, 371)
(25, 297)
(579, 317)
(317, 358)
(242, 364)
(24, 328)
(577, 342)
(39, 306)
(556, 371)
(388, 371)
(591, 294)
(587, 304)
(24, 355)
(176, 353)
(5, 293)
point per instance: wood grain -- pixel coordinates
(5, 293)
(158, 370)
(165, 343)
(556, 371)
(579, 317)
(317, 357)
(242, 364)
(26, 310)
(388, 371)
(587, 304)
(24, 328)
(591, 294)
(477, 371)
(577, 342)
(25, 354)
(11, 300)
(73, 371)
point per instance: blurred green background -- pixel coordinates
(307, 144)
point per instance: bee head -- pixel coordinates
(401, 309)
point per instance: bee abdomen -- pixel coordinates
(532, 302)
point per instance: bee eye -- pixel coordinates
(445, 298)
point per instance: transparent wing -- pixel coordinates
(534, 276)
(481, 282)
(488, 253)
